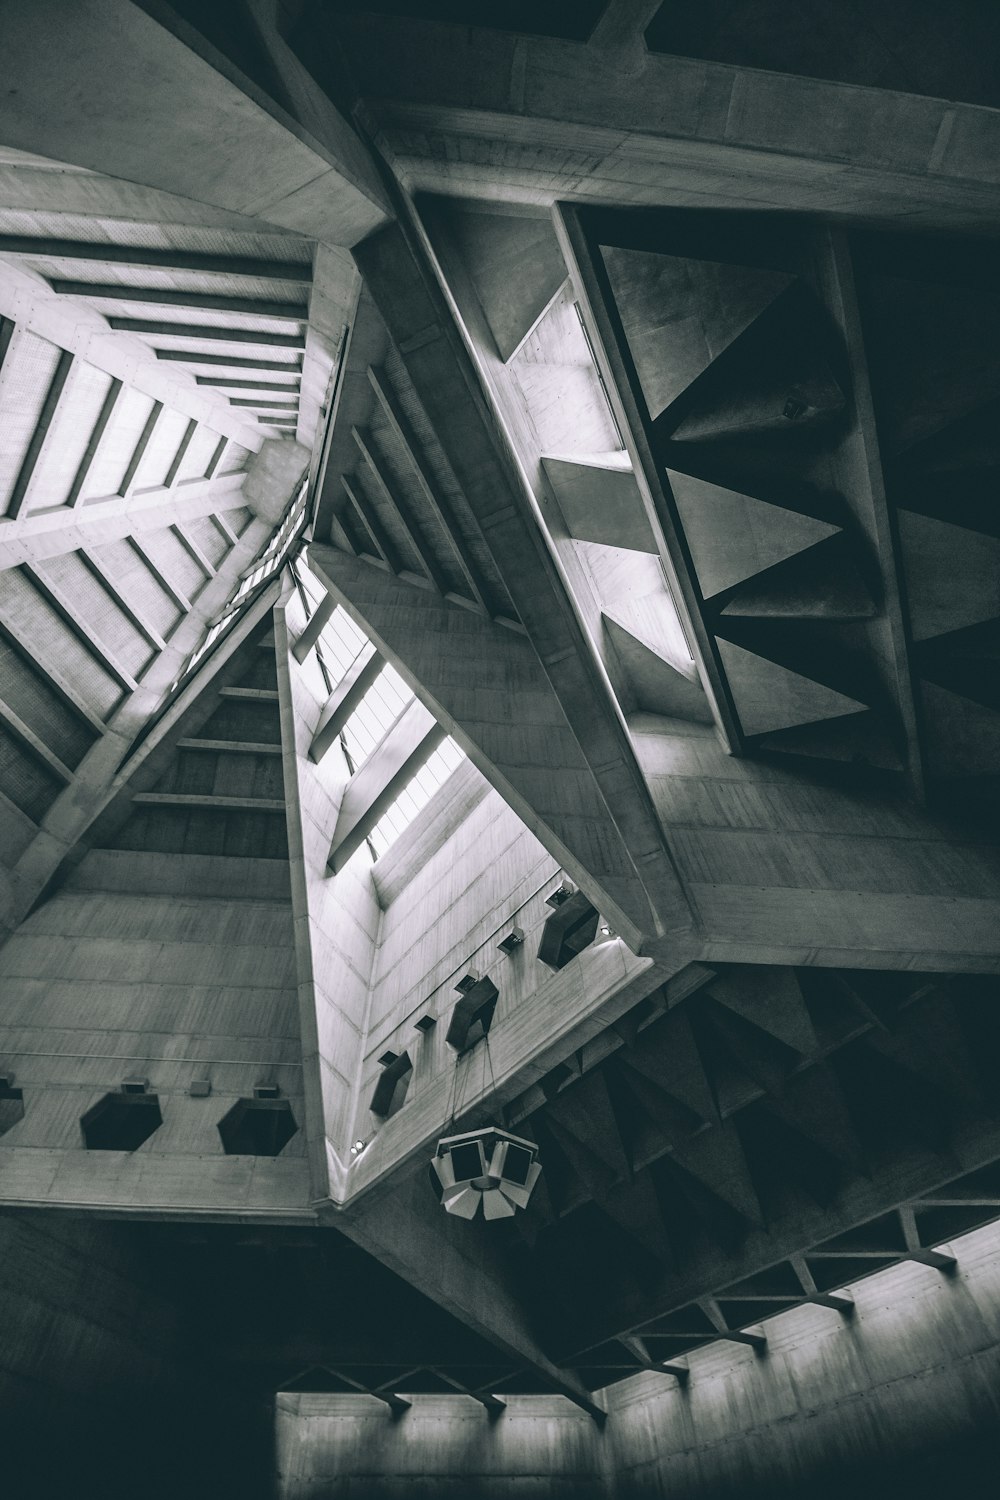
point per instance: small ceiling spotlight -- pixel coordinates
(487, 1166)
(358, 1147)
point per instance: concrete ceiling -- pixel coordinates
(680, 523)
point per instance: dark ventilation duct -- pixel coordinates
(393, 1082)
(257, 1127)
(473, 1015)
(121, 1122)
(571, 928)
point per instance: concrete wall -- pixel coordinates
(103, 1388)
(488, 875)
(336, 916)
(444, 1448)
(782, 870)
(902, 1398)
(103, 984)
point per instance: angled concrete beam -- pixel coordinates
(80, 329)
(194, 551)
(916, 1250)
(317, 623)
(139, 451)
(175, 100)
(345, 699)
(295, 312)
(233, 383)
(199, 331)
(719, 1321)
(109, 583)
(171, 260)
(370, 522)
(362, 442)
(403, 285)
(39, 434)
(811, 1293)
(16, 725)
(408, 745)
(77, 491)
(70, 615)
(399, 422)
(241, 362)
(647, 128)
(41, 534)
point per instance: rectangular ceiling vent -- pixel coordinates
(561, 893)
(511, 941)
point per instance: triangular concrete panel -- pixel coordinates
(813, 1105)
(733, 536)
(963, 738)
(600, 500)
(770, 697)
(635, 1207)
(771, 999)
(822, 583)
(594, 1174)
(715, 1157)
(679, 314)
(774, 380)
(856, 739)
(667, 1054)
(657, 686)
(516, 266)
(953, 575)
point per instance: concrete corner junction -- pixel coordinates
(499, 508)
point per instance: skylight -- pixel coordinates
(338, 648)
(375, 715)
(415, 796)
(254, 577)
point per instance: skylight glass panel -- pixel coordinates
(375, 715)
(415, 795)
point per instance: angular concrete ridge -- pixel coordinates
(517, 270)
(600, 500)
(734, 536)
(679, 315)
(954, 572)
(770, 696)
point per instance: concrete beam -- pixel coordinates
(44, 247)
(184, 120)
(477, 446)
(410, 742)
(486, 686)
(107, 767)
(459, 1271)
(47, 534)
(30, 303)
(564, 121)
(344, 700)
